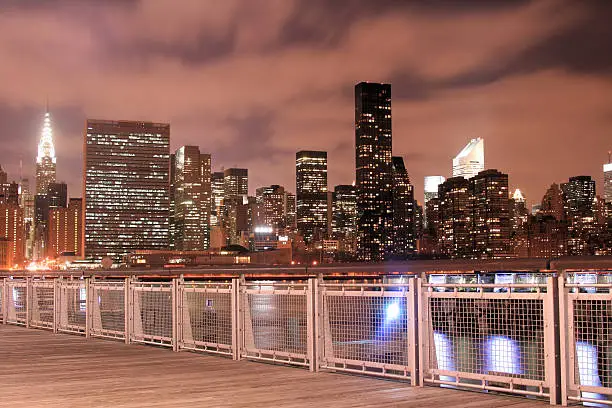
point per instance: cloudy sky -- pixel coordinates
(253, 81)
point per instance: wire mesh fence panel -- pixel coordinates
(42, 304)
(108, 309)
(488, 337)
(589, 341)
(205, 317)
(71, 306)
(275, 323)
(366, 329)
(16, 301)
(152, 314)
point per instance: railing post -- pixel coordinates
(413, 325)
(55, 303)
(27, 302)
(563, 337)
(316, 324)
(422, 330)
(310, 324)
(127, 300)
(5, 295)
(235, 319)
(87, 308)
(175, 314)
(551, 337)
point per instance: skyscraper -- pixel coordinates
(374, 180)
(236, 182)
(12, 232)
(45, 160)
(490, 213)
(579, 199)
(607, 168)
(518, 211)
(430, 191)
(470, 161)
(66, 230)
(455, 218)
(552, 203)
(191, 192)
(403, 211)
(217, 194)
(290, 215)
(126, 187)
(344, 220)
(271, 204)
(311, 194)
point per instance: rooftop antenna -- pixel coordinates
(609, 156)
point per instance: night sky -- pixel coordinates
(252, 82)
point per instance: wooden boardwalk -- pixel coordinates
(42, 369)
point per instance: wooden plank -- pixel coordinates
(39, 368)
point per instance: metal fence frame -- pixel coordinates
(572, 389)
(199, 311)
(430, 373)
(283, 318)
(146, 323)
(389, 322)
(298, 317)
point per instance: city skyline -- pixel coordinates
(521, 113)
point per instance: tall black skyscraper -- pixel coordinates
(403, 211)
(311, 194)
(374, 178)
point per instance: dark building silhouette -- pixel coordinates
(403, 211)
(374, 179)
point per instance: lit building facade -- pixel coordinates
(45, 160)
(12, 232)
(579, 198)
(518, 211)
(217, 194)
(344, 219)
(490, 214)
(65, 230)
(271, 206)
(430, 188)
(191, 194)
(404, 241)
(290, 212)
(311, 194)
(454, 238)
(374, 179)
(236, 182)
(470, 161)
(126, 187)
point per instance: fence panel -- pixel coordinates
(107, 309)
(276, 323)
(16, 301)
(489, 337)
(587, 337)
(71, 306)
(151, 313)
(42, 304)
(368, 328)
(205, 317)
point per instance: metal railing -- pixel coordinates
(551, 338)
(586, 312)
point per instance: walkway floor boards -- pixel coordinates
(42, 369)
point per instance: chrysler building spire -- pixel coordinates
(45, 160)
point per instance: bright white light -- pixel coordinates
(263, 230)
(392, 312)
(503, 355)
